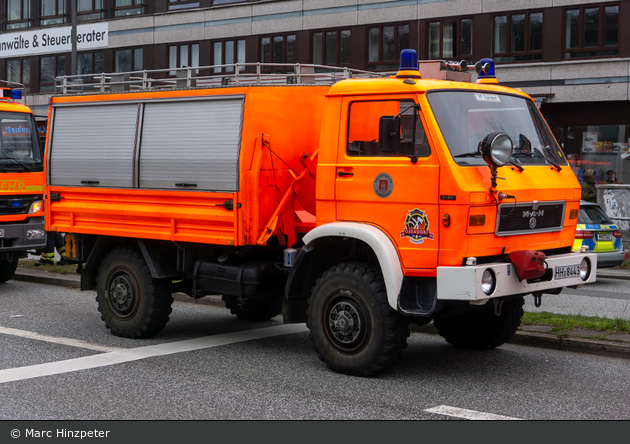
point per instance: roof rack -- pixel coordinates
(237, 74)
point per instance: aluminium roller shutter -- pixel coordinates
(93, 143)
(191, 142)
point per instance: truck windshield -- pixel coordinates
(466, 117)
(19, 143)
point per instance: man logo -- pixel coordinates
(532, 223)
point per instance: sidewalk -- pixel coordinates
(616, 345)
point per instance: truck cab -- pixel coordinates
(21, 182)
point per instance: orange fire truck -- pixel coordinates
(21, 181)
(357, 208)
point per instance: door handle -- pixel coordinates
(344, 173)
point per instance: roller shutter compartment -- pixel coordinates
(93, 145)
(191, 145)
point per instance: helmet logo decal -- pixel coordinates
(417, 227)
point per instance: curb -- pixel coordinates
(530, 339)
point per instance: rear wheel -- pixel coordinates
(132, 303)
(482, 328)
(7, 268)
(352, 326)
(253, 311)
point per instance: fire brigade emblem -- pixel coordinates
(417, 227)
(383, 185)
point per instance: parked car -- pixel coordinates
(596, 231)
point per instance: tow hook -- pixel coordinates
(498, 305)
(537, 298)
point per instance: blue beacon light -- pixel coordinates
(483, 76)
(408, 64)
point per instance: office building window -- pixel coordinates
(591, 31)
(451, 38)
(518, 37)
(385, 43)
(89, 9)
(129, 7)
(228, 52)
(126, 60)
(183, 56)
(52, 12)
(19, 71)
(182, 4)
(49, 68)
(18, 14)
(331, 47)
(278, 49)
(90, 63)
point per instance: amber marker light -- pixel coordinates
(573, 214)
(446, 220)
(477, 221)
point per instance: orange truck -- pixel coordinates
(21, 181)
(354, 202)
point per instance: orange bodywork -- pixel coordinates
(278, 126)
(22, 183)
(295, 173)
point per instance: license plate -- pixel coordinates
(604, 236)
(567, 271)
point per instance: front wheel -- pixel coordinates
(7, 268)
(482, 328)
(352, 326)
(132, 303)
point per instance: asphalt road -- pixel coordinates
(608, 298)
(208, 365)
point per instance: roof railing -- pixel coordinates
(236, 74)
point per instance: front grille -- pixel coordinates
(17, 204)
(530, 217)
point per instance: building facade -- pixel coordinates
(572, 56)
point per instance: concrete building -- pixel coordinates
(572, 56)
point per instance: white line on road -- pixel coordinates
(56, 340)
(468, 414)
(134, 354)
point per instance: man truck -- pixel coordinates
(355, 202)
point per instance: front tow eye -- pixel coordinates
(498, 305)
(537, 298)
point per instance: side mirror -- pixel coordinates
(389, 134)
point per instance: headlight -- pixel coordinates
(496, 149)
(585, 269)
(35, 234)
(36, 207)
(488, 281)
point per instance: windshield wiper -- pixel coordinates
(555, 165)
(16, 161)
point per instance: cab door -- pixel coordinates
(396, 192)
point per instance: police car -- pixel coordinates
(596, 231)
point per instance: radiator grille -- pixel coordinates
(530, 217)
(19, 204)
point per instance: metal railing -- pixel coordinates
(237, 74)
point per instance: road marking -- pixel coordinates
(469, 414)
(56, 340)
(135, 354)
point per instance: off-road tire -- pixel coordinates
(352, 326)
(480, 328)
(253, 311)
(132, 303)
(7, 268)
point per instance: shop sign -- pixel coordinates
(42, 41)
